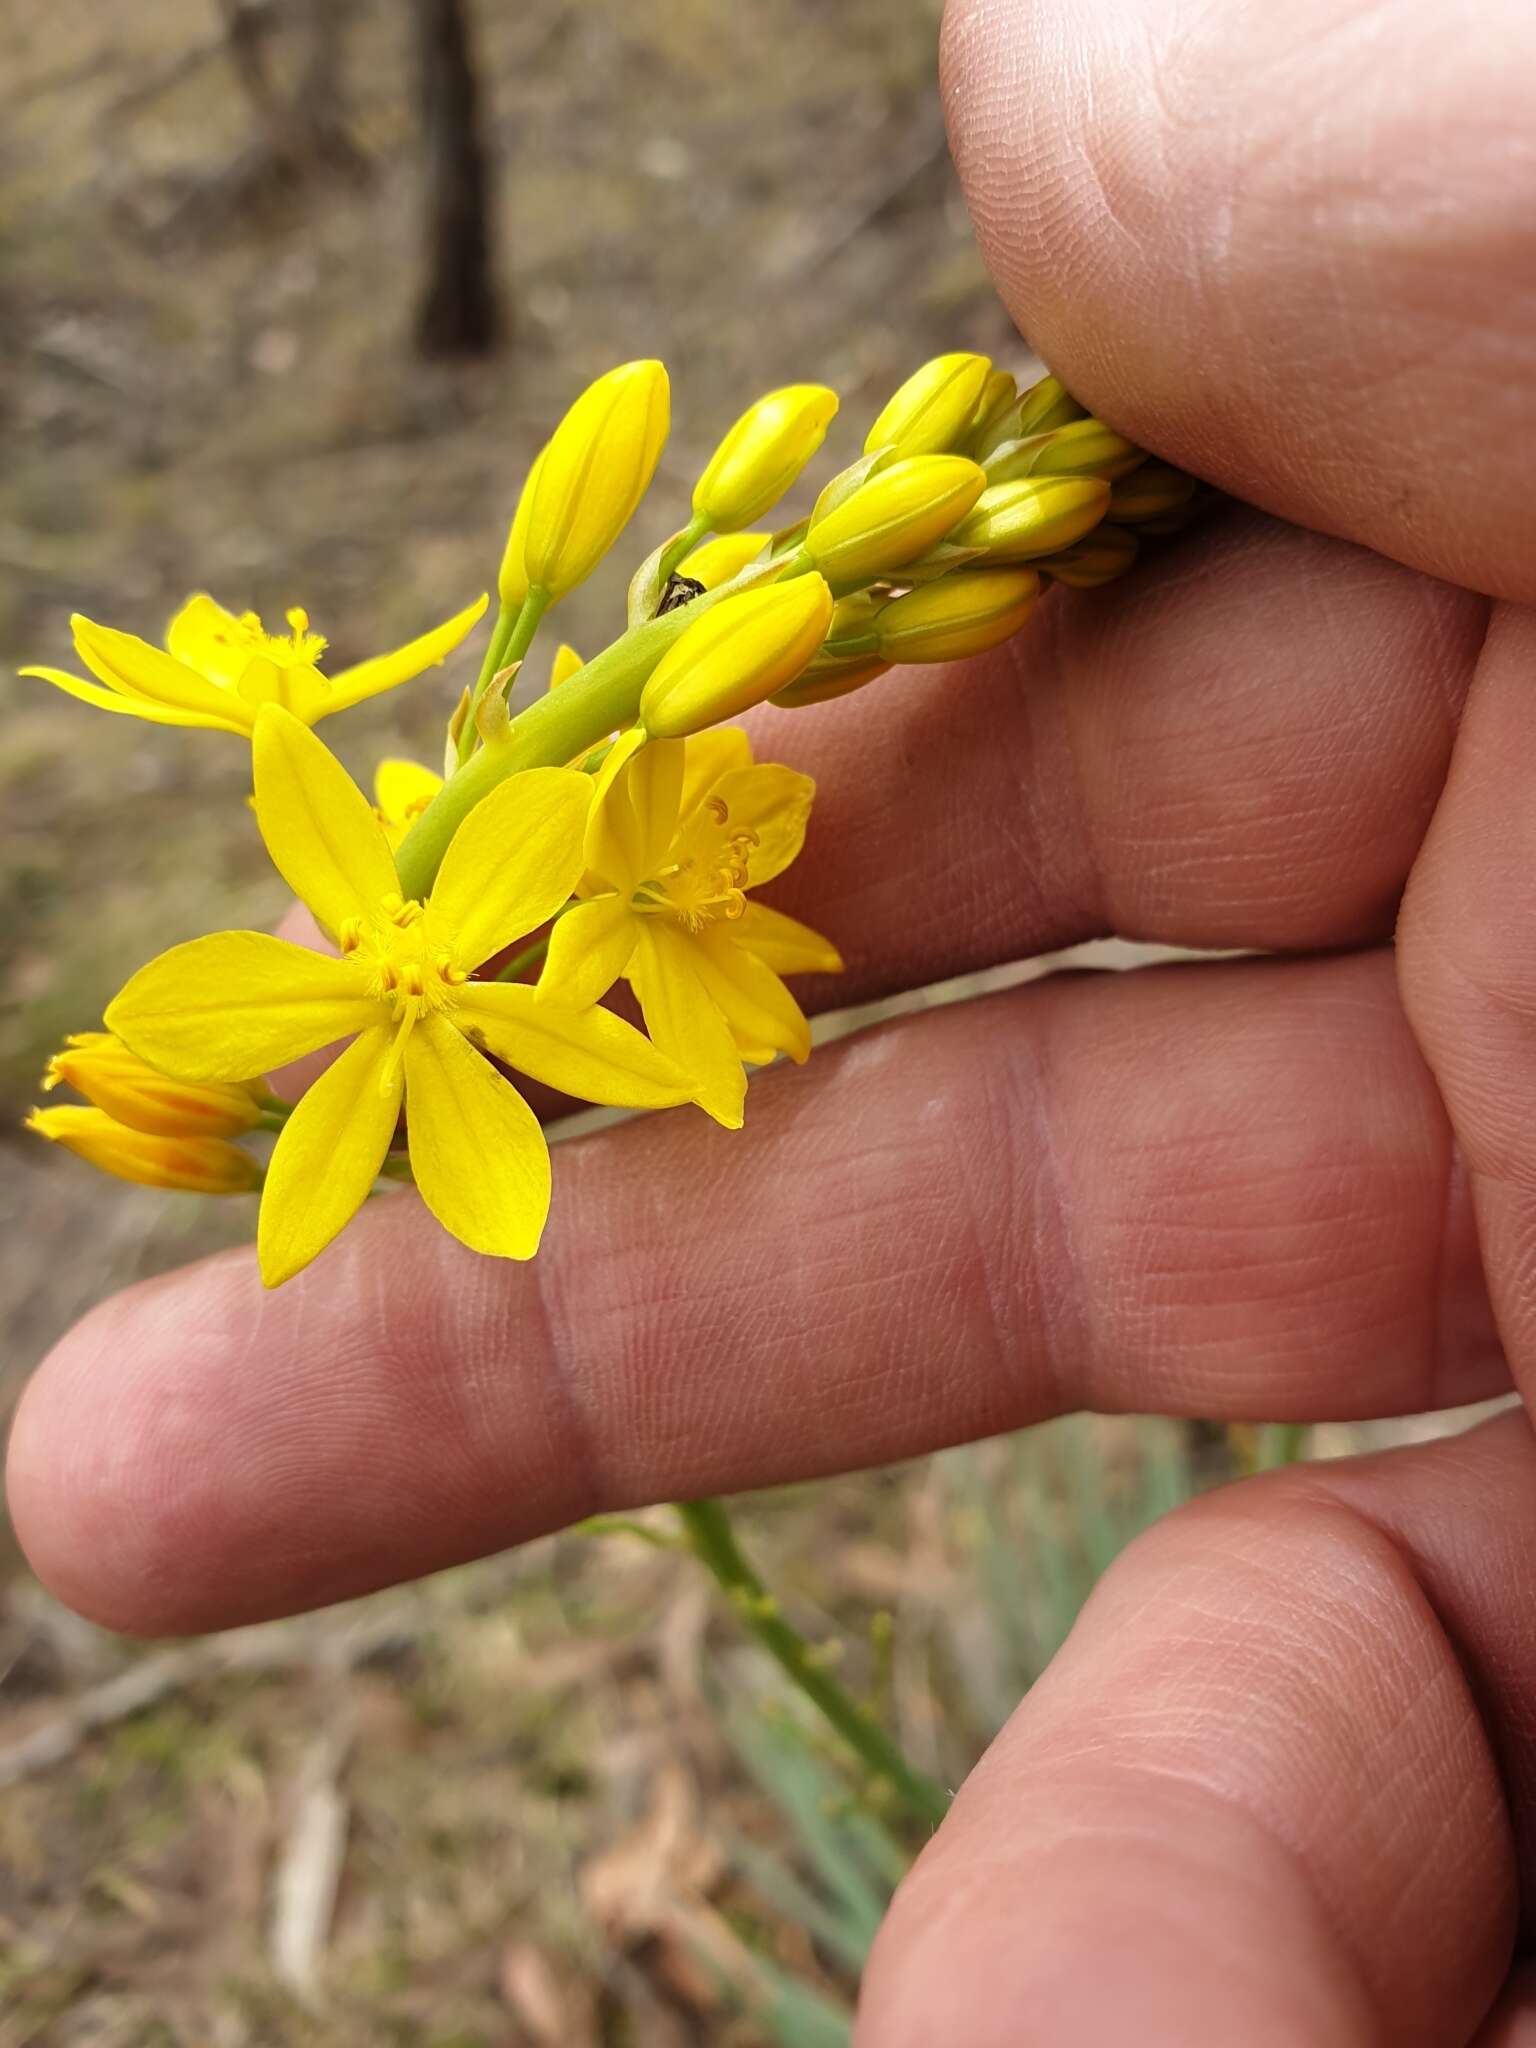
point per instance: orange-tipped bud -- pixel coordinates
(198, 1166)
(102, 1069)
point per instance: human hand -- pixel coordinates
(1275, 1789)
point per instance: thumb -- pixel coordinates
(1292, 248)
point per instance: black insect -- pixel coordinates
(680, 590)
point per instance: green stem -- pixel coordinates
(683, 544)
(519, 964)
(600, 698)
(509, 643)
(713, 1542)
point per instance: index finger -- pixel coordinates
(1222, 1191)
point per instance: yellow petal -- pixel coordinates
(511, 864)
(209, 639)
(718, 560)
(237, 1004)
(708, 756)
(111, 699)
(477, 1152)
(758, 1007)
(401, 788)
(589, 949)
(383, 671)
(320, 829)
(589, 1053)
(613, 837)
(770, 801)
(328, 1155)
(122, 661)
(564, 665)
(107, 1074)
(655, 788)
(686, 1023)
(784, 944)
(297, 686)
(197, 1166)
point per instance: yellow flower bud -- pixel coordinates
(1015, 522)
(564, 665)
(997, 394)
(825, 679)
(717, 561)
(762, 455)
(1085, 448)
(102, 1069)
(962, 614)
(512, 578)
(894, 517)
(1151, 492)
(198, 1166)
(741, 651)
(596, 469)
(933, 410)
(1104, 555)
(1046, 404)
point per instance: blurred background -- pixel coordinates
(290, 293)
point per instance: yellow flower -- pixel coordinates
(718, 560)
(762, 455)
(1107, 553)
(564, 665)
(196, 1166)
(240, 1003)
(218, 670)
(830, 676)
(933, 410)
(741, 651)
(1081, 448)
(1035, 516)
(680, 831)
(512, 577)
(103, 1070)
(586, 484)
(963, 613)
(897, 515)
(401, 792)
(997, 395)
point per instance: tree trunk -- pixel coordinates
(458, 313)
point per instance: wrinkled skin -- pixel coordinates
(1280, 1786)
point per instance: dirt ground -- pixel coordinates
(549, 1799)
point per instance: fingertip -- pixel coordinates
(107, 1494)
(1273, 245)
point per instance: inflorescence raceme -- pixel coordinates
(613, 831)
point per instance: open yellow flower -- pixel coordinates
(217, 670)
(402, 790)
(680, 831)
(236, 1004)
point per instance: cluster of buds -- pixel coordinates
(617, 824)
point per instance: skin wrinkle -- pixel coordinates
(1295, 1539)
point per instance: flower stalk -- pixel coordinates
(709, 1535)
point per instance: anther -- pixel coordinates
(718, 809)
(349, 934)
